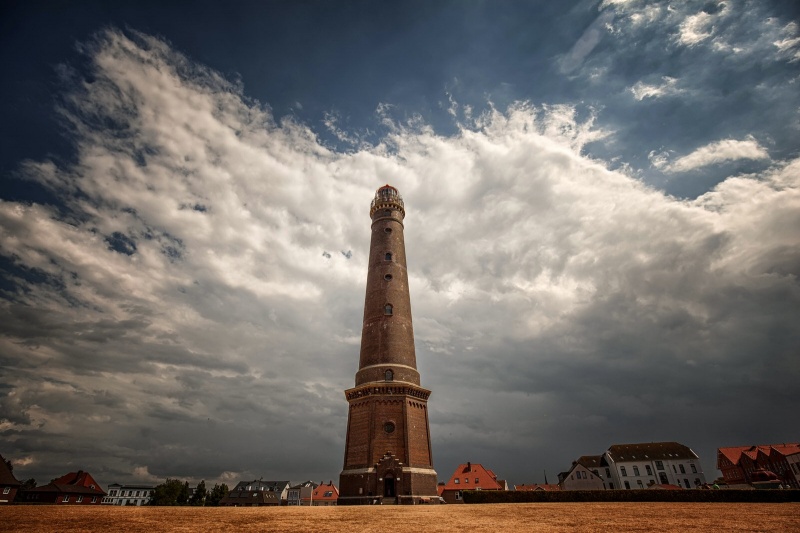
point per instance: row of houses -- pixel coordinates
(655, 465)
(651, 465)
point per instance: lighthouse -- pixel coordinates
(387, 457)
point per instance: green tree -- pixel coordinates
(216, 494)
(169, 493)
(184, 494)
(200, 494)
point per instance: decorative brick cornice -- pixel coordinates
(387, 389)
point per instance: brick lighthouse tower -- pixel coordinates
(387, 455)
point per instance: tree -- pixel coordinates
(183, 495)
(169, 493)
(200, 494)
(216, 494)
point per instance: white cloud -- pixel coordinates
(719, 152)
(533, 270)
(642, 90)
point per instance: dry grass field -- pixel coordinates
(498, 517)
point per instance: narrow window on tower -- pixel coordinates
(388, 256)
(388, 277)
(387, 230)
(387, 310)
(389, 375)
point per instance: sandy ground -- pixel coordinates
(464, 518)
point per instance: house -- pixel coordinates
(300, 494)
(535, 487)
(257, 493)
(583, 475)
(637, 466)
(75, 488)
(8, 483)
(128, 494)
(469, 476)
(325, 495)
(738, 464)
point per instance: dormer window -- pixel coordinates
(387, 309)
(388, 256)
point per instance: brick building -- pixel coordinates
(75, 488)
(8, 483)
(387, 455)
(739, 464)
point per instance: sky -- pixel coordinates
(602, 229)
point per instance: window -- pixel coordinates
(328, 494)
(80, 499)
(466, 480)
(387, 230)
(639, 482)
(65, 499)
(627, 485)
(389, 375)
(458, 493)
(388, 277)
(611, 486)
(674, 470)
(388, 213)
(697, 481)
(649, 470)
(659, 465)
(387, 310)
(635, 470)
(608, 472)
(694, 468)
(457, 481)
(6, 490)
(624, 472)
(476, 480)
(683, 470)
(388, 256)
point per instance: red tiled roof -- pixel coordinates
(467, 473)
(319, 494)
(79, 482)
(7, 478)
(734, 453)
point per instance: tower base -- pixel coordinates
(388, 482)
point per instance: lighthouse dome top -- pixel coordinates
(387, 197)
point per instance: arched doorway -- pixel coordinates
(388, 486)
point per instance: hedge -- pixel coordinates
(652, 495)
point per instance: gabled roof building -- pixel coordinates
(325, 495)
(470, 476)
(75, 488)
(8, 483)
(584, 474)
(739, 464)
(300, 494)
(257, 493)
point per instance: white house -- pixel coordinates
(638, 466)
(128, 494)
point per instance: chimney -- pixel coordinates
(469, 466)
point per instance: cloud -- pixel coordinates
(145, 337)
(716, 153)
(641, 90)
